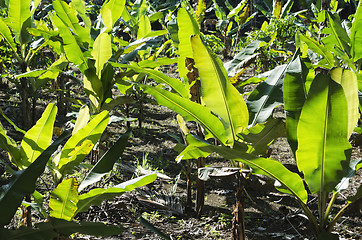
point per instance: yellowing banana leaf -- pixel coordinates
(39, 137)
(187, 26)
(80, 144)
(19, 19)
(189, 110)
(348, 80)
(98, 195)
(111, 11)
(323, 149)
(218, 94)
(63, 200)
(102, 51)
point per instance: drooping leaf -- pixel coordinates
(111, 11)
(291, 182)
(23, 182)
(189, 110)
(218, 94)
(323, 149)
(159, 77)
(102, 51)
(348, 80)
(80, 144)
(19, 19)
(38, 137)
(98, 195)
(105, 164)
(266, 96)
(63, 200)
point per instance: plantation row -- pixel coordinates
(119, 50)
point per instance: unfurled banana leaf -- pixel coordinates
(323, 149)
(348, 81)
(266, 96)
(218, 94)
(291, 182)
(189, 110)
(98, 195)
(6, 34)
(56, 227)
(19, 19)
(23, 182)
(111, 11)
(356, 34)
(80, 7)
(38, 137)
(187, 27)
(63, 200)
(102, 51)
(295, 93)
(81, 143)
(68, 15)
(82, 119)
(106, 163)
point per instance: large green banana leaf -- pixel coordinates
(189, 110)
(102, 51)
(19, 19)
(98, 195)
(81, 143)
(356, 34)
(68, 15)
(295, 93)
(111, 11)
(38, 137)
(187, 26)
(63, 200)
(314, 45)
(105, 164)
(291, 182)
(23, 183)
(218, 94)
(6, 34)
(323, 149)
(348, 80)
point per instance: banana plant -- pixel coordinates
(24, 49)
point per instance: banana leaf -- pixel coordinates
(19, 19)
(23, 182)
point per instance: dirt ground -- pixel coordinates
(269, 214)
